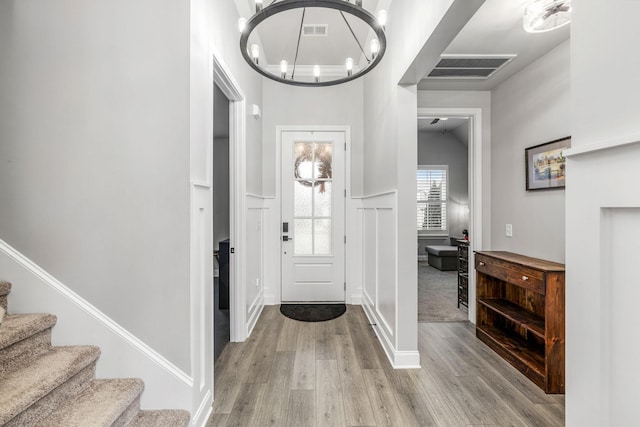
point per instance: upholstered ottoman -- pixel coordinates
(443, 258)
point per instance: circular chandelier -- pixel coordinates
(356, 23)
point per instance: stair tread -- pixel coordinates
(100, 404)
(26, 385)
(5, 287)
(17, 327)
(165, 418)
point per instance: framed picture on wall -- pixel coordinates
(545, 164)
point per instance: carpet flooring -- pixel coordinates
(438, 295)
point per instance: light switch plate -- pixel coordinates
(509, 230)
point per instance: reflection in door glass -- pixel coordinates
(302, 199)
(322, 161)
(303, 242)
(322, 199)
(303, 166)
(322, 237)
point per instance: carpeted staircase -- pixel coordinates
(43, 385)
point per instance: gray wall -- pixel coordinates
(94, 175)
(434, 148)
(530, 108)
(291, 105)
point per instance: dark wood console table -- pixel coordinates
(521, 314)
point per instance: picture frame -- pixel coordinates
(545, 165)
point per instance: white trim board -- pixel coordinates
(35, 290)
(602, 145)
(223, 78)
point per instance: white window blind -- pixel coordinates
(432, 198)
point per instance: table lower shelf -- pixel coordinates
(515, 350)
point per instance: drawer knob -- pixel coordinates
(525, 278)
(481, 263)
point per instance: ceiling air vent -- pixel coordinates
(469, 66)
(315, 29)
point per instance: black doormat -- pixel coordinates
(313, 312)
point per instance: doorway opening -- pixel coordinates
(221, 220)
(462, 234)
(443, 218)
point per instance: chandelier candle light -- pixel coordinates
(369, 29)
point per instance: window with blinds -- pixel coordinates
(432, 198)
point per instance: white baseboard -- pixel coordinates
(355, 299)
(398, 359)
(254, 312)
(204, 411)
(81, 323)
(270, 300)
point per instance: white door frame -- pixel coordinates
(474, 185)
(278, 198)
(237, 191)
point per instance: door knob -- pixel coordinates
(286, 238)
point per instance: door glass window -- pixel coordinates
(312, 172)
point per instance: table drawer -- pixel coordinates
(524, 277)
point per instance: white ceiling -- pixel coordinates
(455, 126)
(278, 36)
(424, 124)
(496, 29)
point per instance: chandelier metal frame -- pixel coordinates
(343, 6)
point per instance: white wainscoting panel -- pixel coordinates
(378, 233)
(201, 302)
(386, 266)
(256, 238)
(619, 296)
(602, 258)
(370, 256)
(354, 251)
(271, 251)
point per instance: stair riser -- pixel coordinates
(128, 415)
(45, 406)
(23, 351)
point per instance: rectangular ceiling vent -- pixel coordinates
(469, 66)
(315, 30)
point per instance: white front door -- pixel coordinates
(313, 210)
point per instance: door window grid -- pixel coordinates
(312, 218)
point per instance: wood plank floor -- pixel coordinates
(335, 373)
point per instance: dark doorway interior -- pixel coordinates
(221, 223)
